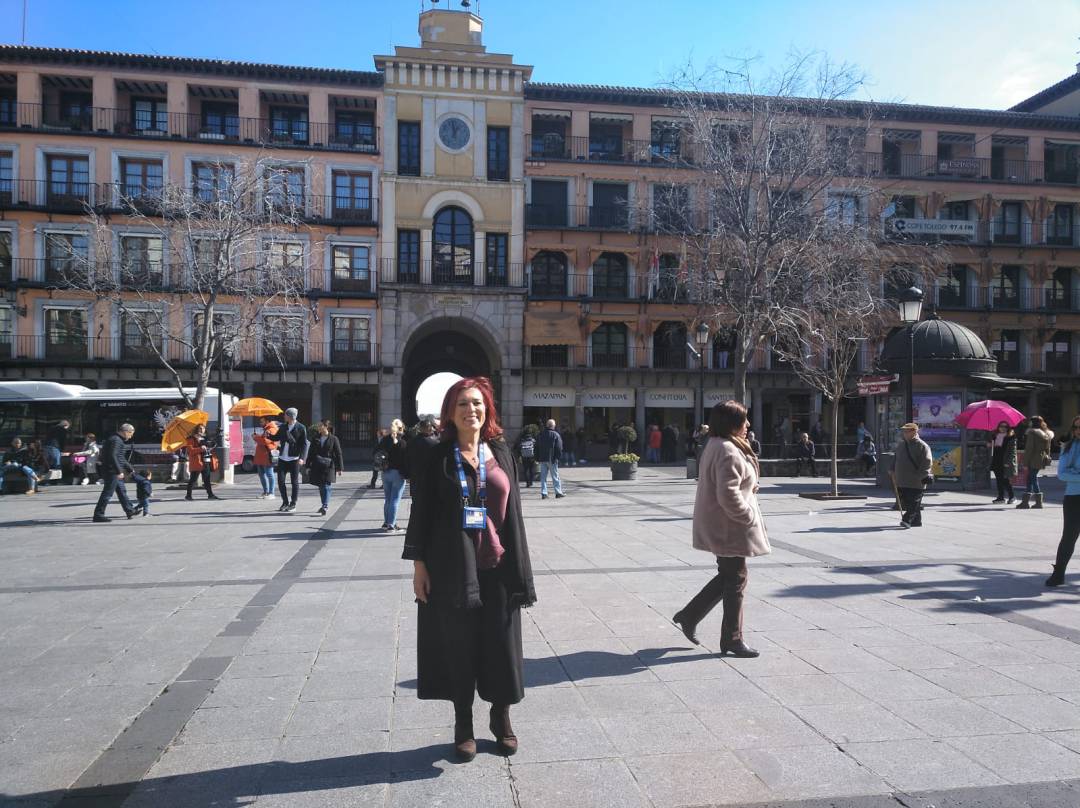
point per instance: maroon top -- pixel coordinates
(489, 550)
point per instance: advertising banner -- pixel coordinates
(935, 413)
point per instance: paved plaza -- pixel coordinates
(225, 654)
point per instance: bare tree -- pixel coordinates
(214, 269)
(781, 188)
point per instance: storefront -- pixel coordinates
(671, 406)
(542, 403)
(606, 407)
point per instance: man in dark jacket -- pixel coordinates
(417, 449)
(112, 465)
(911, 473)
(549, 448)
(292, 452)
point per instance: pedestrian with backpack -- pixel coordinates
(526, 449)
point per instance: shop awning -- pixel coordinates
(552, 328)
(994, 382)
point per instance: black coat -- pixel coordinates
(416, 452)
(324, 460)
(549, 446)
(296, 437)
(114, 456)
(397, 454)
(435, 535)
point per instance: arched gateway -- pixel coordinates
(445, 346)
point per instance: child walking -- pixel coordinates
(143, 490)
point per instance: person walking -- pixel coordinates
(417, 448)
(548, 452)
(112, 466)
(325, 462)
(526, 451)
(804, 453)
(652, 444)
(375, 467)
(144, 489)
(395, 474)
(84, 461)
(265, 444)
(1037, 441)
(727, 523)
(292, 441)
(1002, 448)
(201, 462)
(1068, 473)
(472, 573)
(569, 441)
(911, 472)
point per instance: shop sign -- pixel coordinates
(673, 399)
(875, 385)
(608, 397)
(714, 397)
(934, 227)
(549, 397)
(459, 301)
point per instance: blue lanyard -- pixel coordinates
(481, 475)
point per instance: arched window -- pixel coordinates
(669, 345)
(609, 343)
(610, 276)
(549, 274)
(452, 247)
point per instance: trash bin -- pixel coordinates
(691, 468)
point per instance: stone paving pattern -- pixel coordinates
(224, 654)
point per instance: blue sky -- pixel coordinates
(961, 53)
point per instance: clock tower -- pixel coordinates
(451, 280)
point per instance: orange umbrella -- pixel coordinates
(254, 407)
(180, 428)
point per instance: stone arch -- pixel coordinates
(453, 198)
(459, 345)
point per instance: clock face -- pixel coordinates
(454, 133)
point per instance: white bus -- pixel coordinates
(32, 409)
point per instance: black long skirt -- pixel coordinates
(465, 651)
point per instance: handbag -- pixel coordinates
(214, 462)
(380, 460)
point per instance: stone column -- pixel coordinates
(427, 138)
(316, 402)
(756, 414)
(248, 108)
(639, 411)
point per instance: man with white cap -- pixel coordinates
(293, 449)
(911, 471)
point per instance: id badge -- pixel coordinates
(475, 518)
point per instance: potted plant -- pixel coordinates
(623, 465)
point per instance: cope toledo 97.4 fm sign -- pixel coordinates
(935, 413)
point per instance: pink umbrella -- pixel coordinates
(988, 414)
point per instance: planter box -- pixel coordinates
(623, 471)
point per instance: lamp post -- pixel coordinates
(701, 336)
(910, 304)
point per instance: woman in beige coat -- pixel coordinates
(1037, 443)
(728, 524)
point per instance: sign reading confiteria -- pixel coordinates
(608, 397)
(936, 227)
(669, 398)
(549, 397)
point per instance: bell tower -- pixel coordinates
(453, 205)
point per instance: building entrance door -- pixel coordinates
(446, 351)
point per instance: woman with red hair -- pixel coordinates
(471, 568)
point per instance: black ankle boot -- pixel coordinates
(501, 729)
(739, 649)
(1057, 578)
(689, 629)
(464, 738)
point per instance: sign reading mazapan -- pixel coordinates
(672, 399)
(608, 397)
(549, 397)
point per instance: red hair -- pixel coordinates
(491, 429)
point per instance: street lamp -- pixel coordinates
(701, 336)
(910, 304)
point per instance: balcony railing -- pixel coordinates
(601, 149)
(291, 353)
(188, 126)
(445, 273)
(993, 233)
(1005, 299)
(49, 195)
